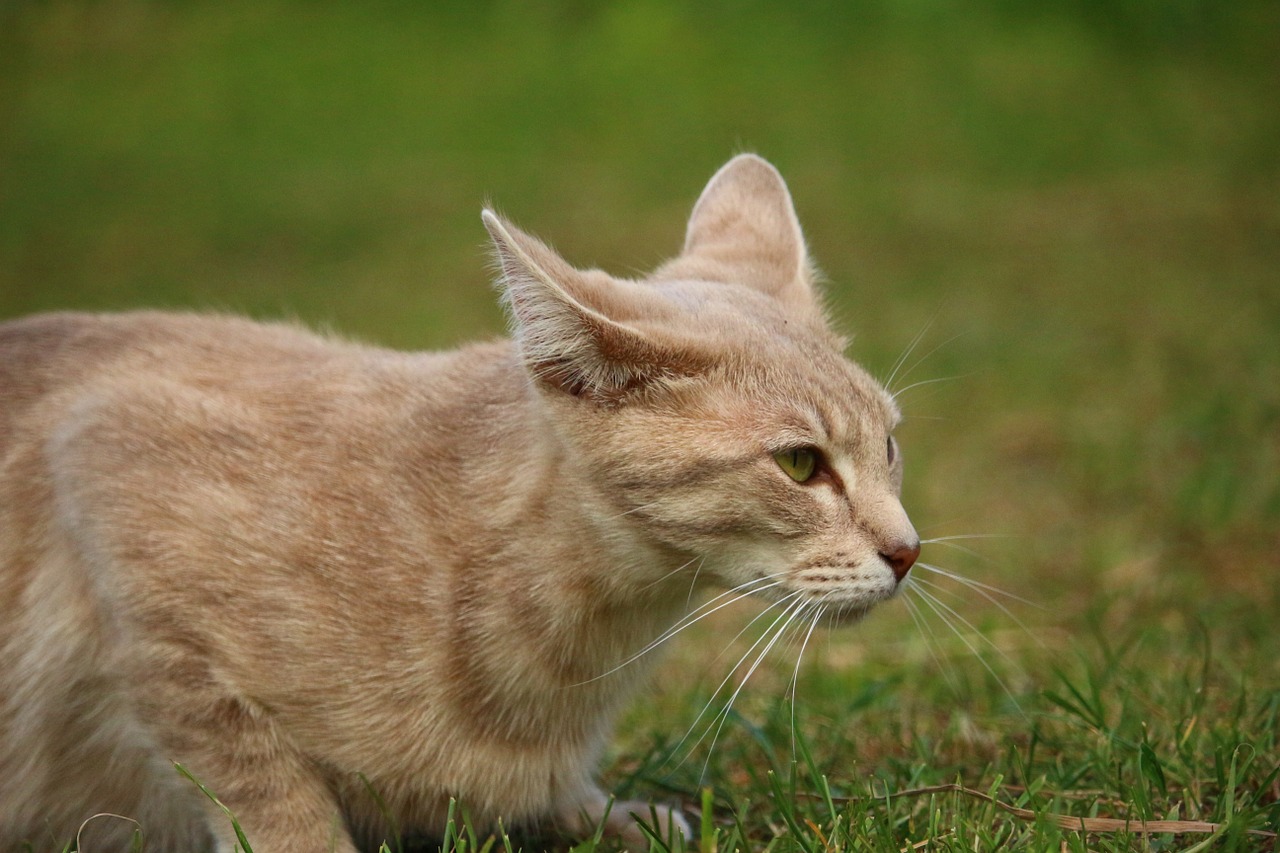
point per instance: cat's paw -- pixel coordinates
(621, 820)
(624, 822)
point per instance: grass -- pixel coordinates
(1075, 203)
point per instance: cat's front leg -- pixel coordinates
(236, 751)
(583, 818)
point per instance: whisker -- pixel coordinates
(936, 599)
(692, 618)
(922, 359)
(969, 536)
(923, 382)
(693, 583)
(790, 601)
(674, 571)
(942, 609)
(819, 609)
(744, 630)
(902, 359)
(952, 542)
(943, 539)
(802, 618)
(640, 508)
(982, 589)
(956, 547)
(723, 716)
(747, 588)
(931, 641)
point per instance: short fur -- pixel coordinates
(293, 563)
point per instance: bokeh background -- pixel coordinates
(1075, 204)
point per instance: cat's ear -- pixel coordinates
(562, 323)
(744, 229)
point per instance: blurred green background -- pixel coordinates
(1076, 201)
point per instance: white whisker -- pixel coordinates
(954, 546)
(985, 591)
(790, 601)
(789, 614)
(692, 618)
(640, 508)
(982, 589)
(674, 571)
(934, 598)
(952, 542)
(931, 642)
(819, 609)
(965, 536)
(902, 359)
(922, 359)
(693, 583)
(746, 628)
(942, 609)
(924, 382)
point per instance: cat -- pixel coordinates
(307, 569)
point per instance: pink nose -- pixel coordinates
(902, 558)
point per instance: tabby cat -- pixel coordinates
(308, 569)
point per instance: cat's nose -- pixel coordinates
(902, 558)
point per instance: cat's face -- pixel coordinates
(711, 405)
(776, 468)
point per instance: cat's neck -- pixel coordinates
(603, 588)
(547, 553)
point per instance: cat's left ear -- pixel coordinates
(744, 229)
(571, 326)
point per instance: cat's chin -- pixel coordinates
(848, 615)
(841, 614)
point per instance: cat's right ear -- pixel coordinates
(744, 229)
(561, 323)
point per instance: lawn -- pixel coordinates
(1063, 218)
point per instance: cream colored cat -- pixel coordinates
(289, 562)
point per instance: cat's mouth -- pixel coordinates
(833, 608)
(842, 595)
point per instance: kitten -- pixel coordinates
(293, 564)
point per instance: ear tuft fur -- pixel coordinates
(565, 339)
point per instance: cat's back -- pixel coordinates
(53, 364)
(64, 353)
(45, 352)
(151, 420)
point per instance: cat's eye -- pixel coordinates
(800, 463)
(892, 449)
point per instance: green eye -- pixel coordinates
(800, 463)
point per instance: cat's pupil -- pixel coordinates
(800, 463)
(891, 450)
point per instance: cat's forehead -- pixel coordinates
(841, 400)
(788, 362)
(795, 372)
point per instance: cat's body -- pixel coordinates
(297, 565)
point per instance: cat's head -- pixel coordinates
(710, 406)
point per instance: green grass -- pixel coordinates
(1077, 202)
